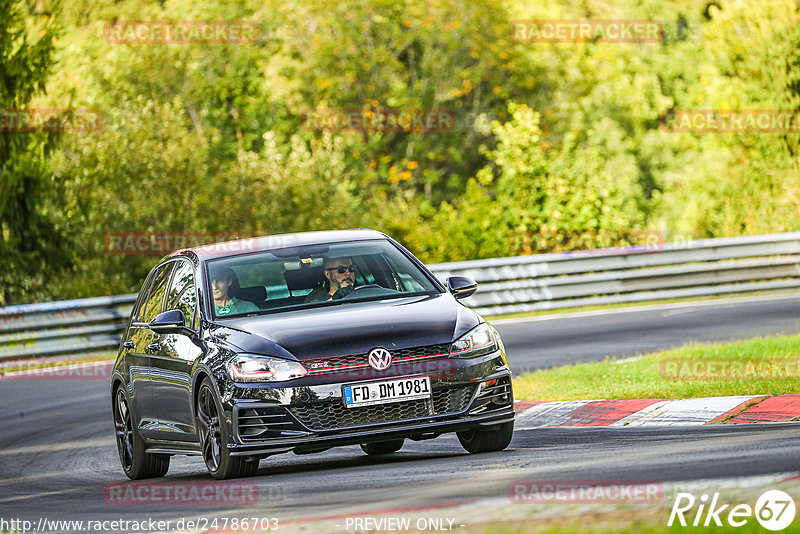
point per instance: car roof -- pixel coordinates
(272, 242)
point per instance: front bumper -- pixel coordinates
(311, 417)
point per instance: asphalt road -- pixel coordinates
(57, 453)
(550, 341)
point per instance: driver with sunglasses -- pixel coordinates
(339, 278)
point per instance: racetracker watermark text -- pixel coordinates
(731, 120)
(584, 491)
(586, 30)
(180, 493)
(50, 120)
(729, 369)
(181, 32)
(30, 370)
(160, 243)
(595, 241)
(380, 120)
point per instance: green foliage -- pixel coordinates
(556, 145)
(740, 183)
(28, 242)
(144, 171)
(288, 185)
(412, 54)
(543, 198)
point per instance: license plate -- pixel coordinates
(402, 389)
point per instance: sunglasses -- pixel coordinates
(341, 269)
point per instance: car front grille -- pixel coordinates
(453, 399)
(336, 364)
(335, 415)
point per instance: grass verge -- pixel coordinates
(598, 524)
(769, 366)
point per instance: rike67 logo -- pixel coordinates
(774, 510)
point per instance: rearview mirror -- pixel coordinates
(169, 322)
(461, 286)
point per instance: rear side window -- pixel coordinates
(182, 293)
(155, 294)
(142, 300)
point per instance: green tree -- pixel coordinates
(411, 54)
(29, 247)
(731, 181)
(537, 198)
(146, 170)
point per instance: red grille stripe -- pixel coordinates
(358, 365)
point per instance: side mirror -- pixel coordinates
(169, 322)
(461, 286)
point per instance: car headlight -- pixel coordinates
(257, 368)
(479, 341)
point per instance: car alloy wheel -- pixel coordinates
(210, 437)
(214, 438)
(136, 462)
(124, 431)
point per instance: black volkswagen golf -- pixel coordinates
(303, 342)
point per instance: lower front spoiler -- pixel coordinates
(414, 430)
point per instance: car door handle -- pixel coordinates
(154, 347)
(129, 345)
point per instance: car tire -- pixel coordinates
(487, 439)
(213, 435)
(136, 462)
(383, 447)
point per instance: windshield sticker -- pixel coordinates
(306, 260)
(223, 311)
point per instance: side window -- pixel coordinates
(182, 292)
(140, 302)
(155, 295)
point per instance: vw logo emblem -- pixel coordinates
(380, 359)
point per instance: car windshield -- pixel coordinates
(311, 276)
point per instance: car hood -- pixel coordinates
(353, 328)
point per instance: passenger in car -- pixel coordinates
(340, 274)
(224, 283)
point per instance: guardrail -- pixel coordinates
(506, 285)
(80, 326)
(610, 276)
